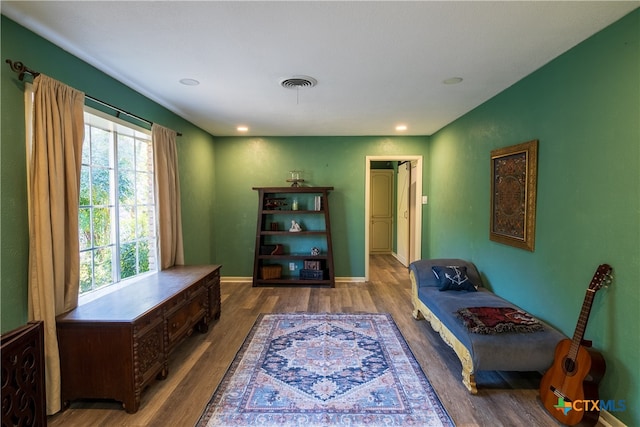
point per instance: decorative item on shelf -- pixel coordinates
(295, 178)
(294, 204)
(313, 264)
(274, 203)
(268, 272)
(295, 227)
(317, 203)
(276, 249)
(306, 274)
(315, 251)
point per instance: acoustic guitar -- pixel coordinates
(570, 387)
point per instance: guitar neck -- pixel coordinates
(578, 335)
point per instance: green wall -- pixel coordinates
(244, 163)
(195, 154)
(584, 108)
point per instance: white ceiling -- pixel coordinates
(377, 63)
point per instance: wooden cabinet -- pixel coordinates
(114, 346)
(213, 285)
(185, 311)
(277, 248)
(23, 392)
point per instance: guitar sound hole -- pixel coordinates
(569, 365)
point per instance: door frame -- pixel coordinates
(403, 224)
(418, 204)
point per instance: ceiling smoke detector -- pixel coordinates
(299, 82)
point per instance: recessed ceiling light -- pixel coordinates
(452, 80)
(242, 128)
(189, 82)
(401, 128)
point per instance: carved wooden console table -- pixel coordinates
(114, 346)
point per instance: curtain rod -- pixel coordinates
(22, 69)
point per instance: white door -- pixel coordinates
(381, 229)
(403, 214)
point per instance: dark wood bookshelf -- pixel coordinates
(265, 236)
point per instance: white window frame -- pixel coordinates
(113, 124)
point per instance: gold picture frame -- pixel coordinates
(514, 173)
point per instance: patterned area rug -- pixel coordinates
(324, 370)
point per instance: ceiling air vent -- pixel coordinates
(299, 82)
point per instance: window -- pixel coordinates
(117, 226)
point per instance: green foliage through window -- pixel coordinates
(117, 212)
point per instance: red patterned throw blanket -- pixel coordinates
(493, 320)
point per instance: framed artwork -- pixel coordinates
(513, 195)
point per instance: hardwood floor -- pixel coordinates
(197, 366)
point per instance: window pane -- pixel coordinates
(126, 187)
(84, 228)
(144, 187)
(142, 225)
(144, 157)
(86, 146)
(100, 147)
(85, 194)
(102, 267)
(101, 186)
(127, 223)
(128, 260)
(101, 226)
(86, 270)
(143, 256)
(126, 159)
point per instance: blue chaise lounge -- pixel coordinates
(505, 351)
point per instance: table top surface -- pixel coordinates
(139, 297)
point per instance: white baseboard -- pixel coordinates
(236, 279)
(350, 279)
(608, 420)
(401, 259)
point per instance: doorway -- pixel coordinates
(381, 220)
(414, 206)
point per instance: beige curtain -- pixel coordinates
(54, 184)
(165, 163)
